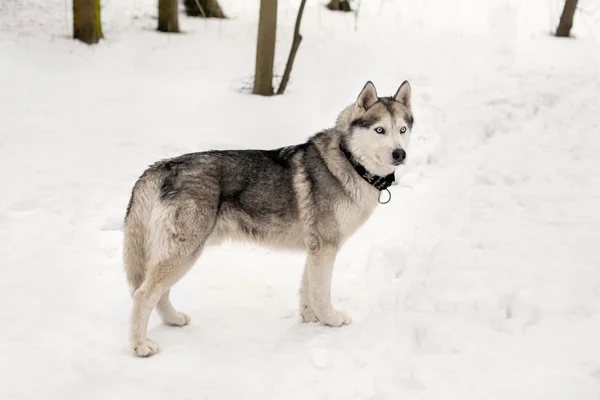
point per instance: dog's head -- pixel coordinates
(377, 129)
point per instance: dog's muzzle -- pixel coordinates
(398, 155)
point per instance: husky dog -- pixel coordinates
(310, 197)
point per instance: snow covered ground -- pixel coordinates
(480, 280)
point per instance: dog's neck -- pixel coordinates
(345, 118)
(378, 182)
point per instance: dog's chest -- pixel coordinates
(351, 215)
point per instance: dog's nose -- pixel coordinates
(399, 155)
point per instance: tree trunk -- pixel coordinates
(168, 20)
(566, 19)
(265, 48)
(87, 25)
(339, 5)
(207, 9)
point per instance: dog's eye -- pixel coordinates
(403, 129)
(379, 130)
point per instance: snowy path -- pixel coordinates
(480, 280)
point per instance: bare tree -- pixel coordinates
(203, 8)
(87, 25)
(265, 48)
(566, 19)
(339, 5)
(168, 20)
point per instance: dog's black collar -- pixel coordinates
(379, 182)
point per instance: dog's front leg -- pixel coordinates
(306, 311)
(316, 283)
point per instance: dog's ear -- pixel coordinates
(367, 97)
(403, 94)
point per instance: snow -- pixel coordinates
(479, 280)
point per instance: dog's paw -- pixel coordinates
(337, 318)
(177, 319)
(308, 315)
(145, 348)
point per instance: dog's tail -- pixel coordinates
(135, 228)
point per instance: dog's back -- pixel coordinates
(241, 194)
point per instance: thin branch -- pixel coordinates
(293, 50)
(201, 9)
(356, 16)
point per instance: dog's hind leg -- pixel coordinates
(177, 236)
(158, 281)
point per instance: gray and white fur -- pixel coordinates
(305, 197)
